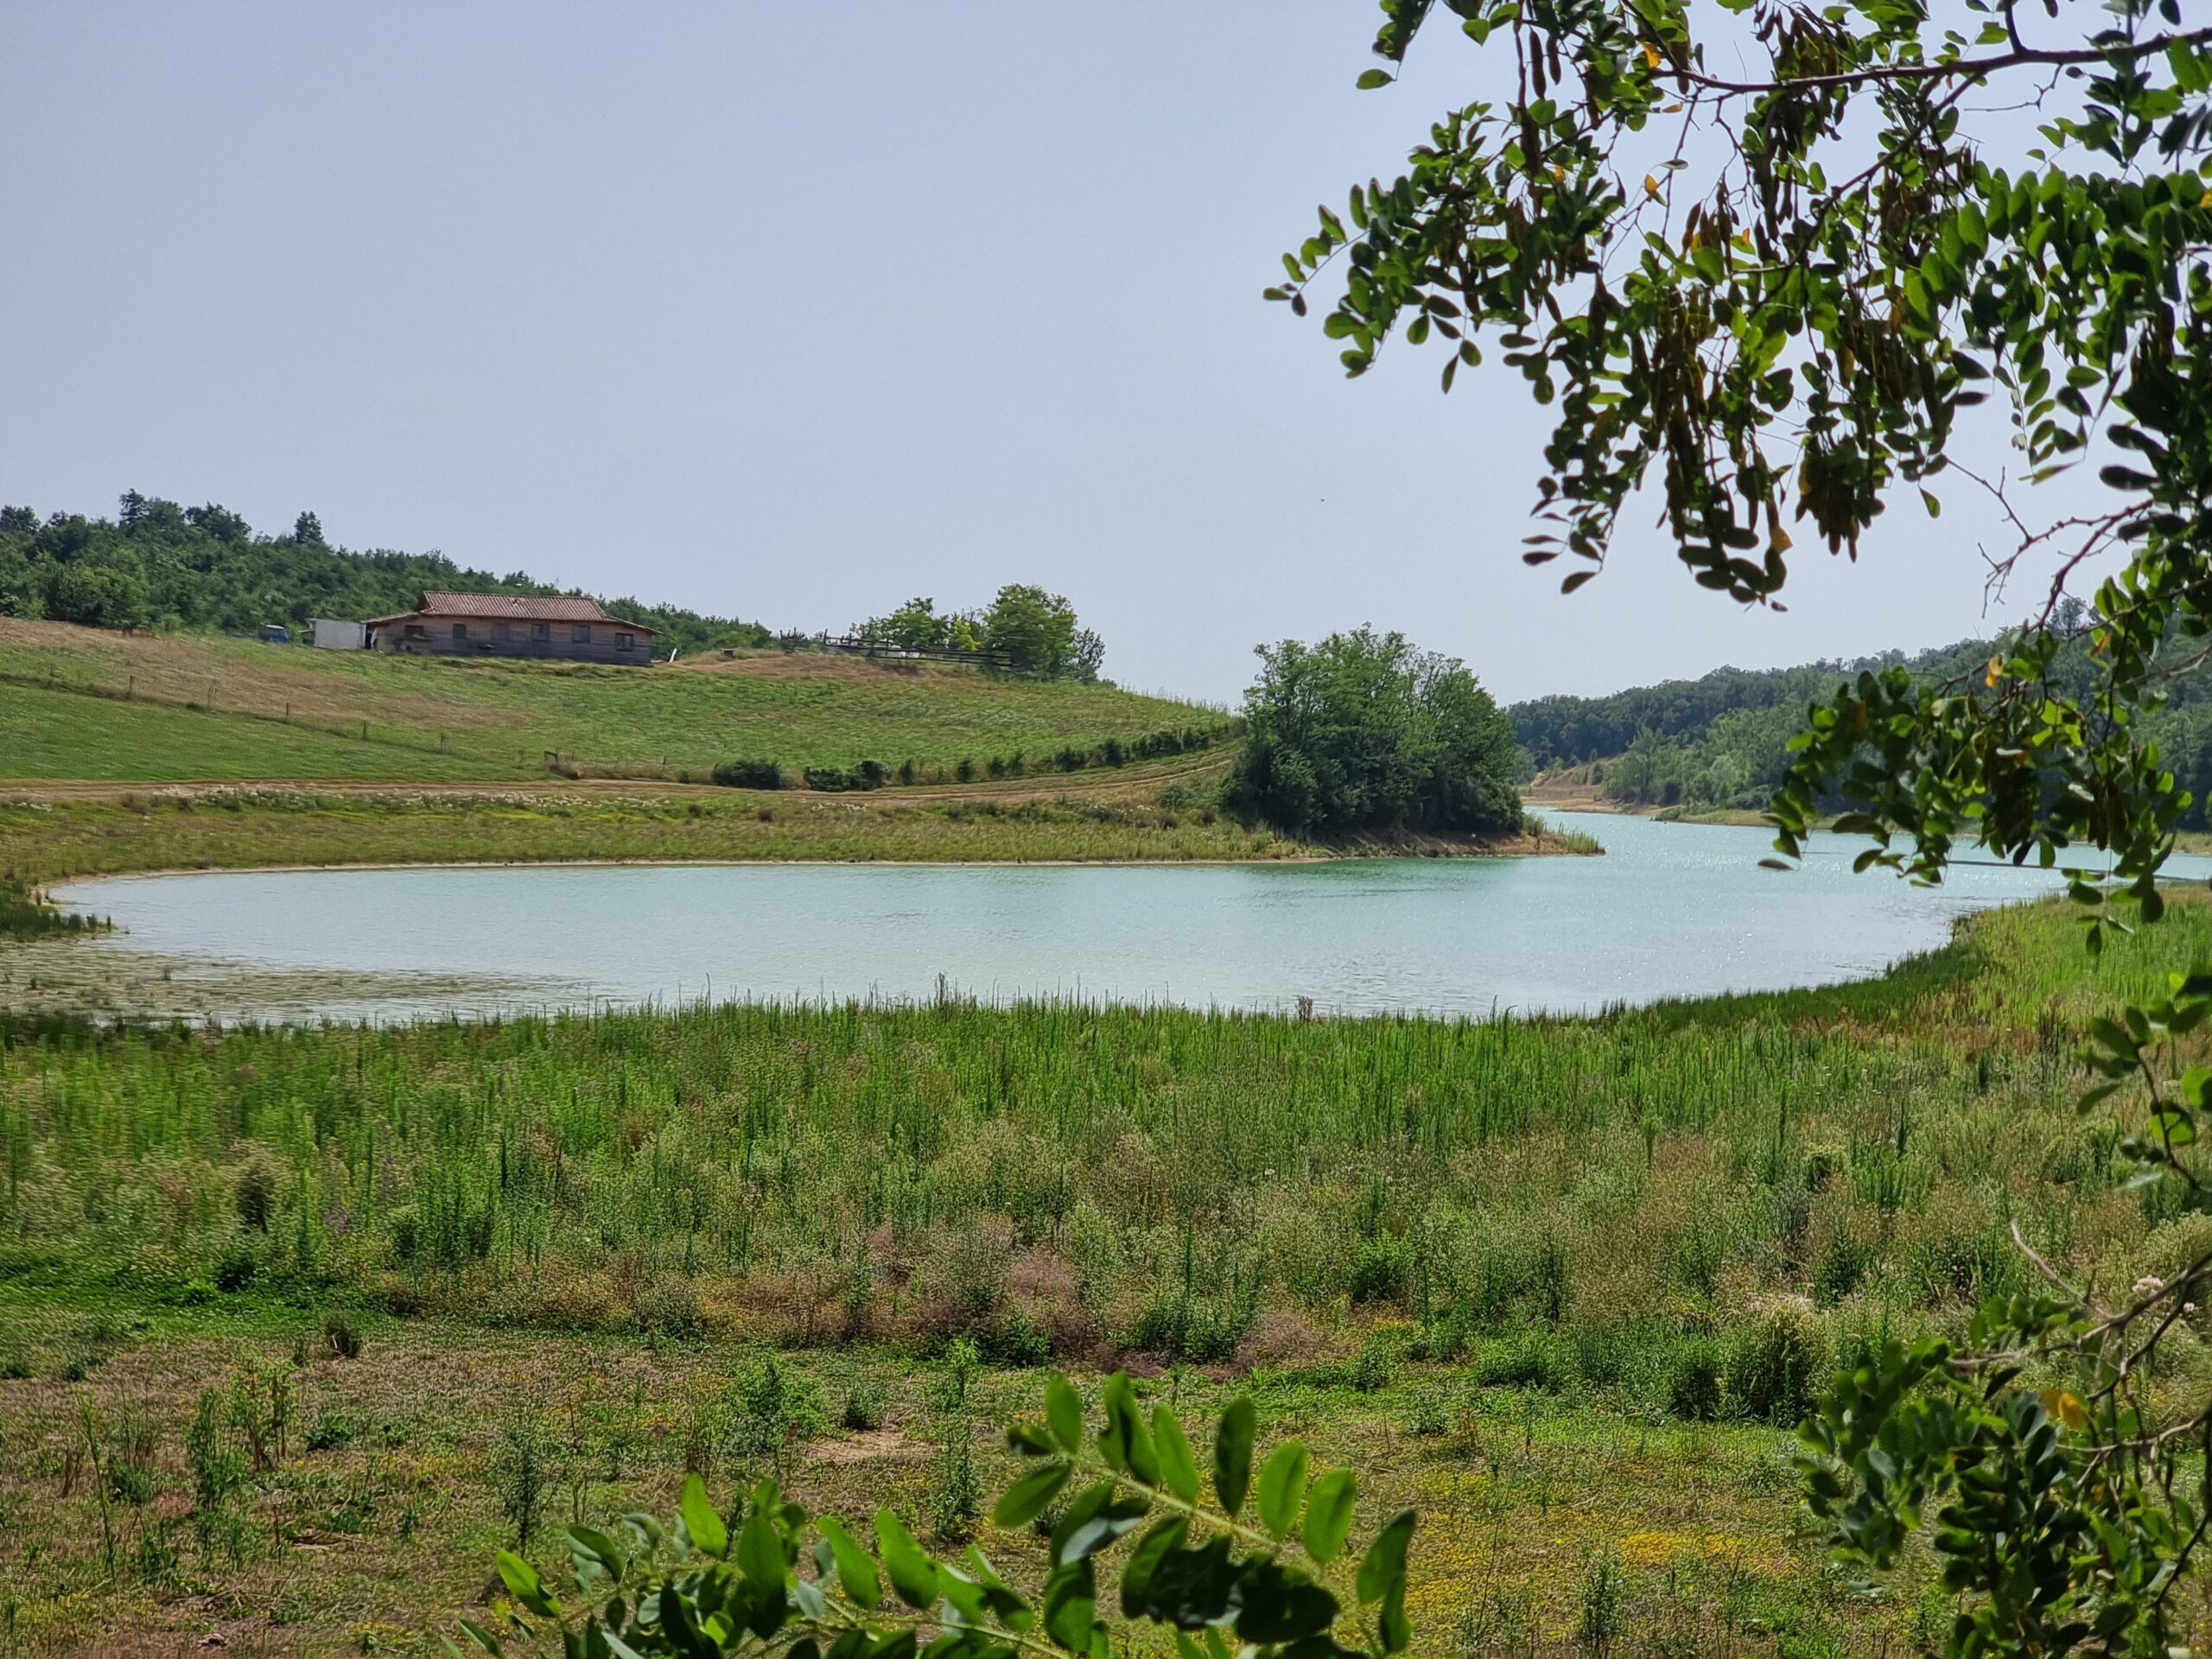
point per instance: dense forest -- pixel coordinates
(1570, 731)
(160, 565)
(1722, 740)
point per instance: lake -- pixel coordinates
(1673, 910)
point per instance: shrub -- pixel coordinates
(340, 1337)
(1526, 1359)
(669, 1308)
(237, 1268)
(522, 1469)
(749, 774)
(1372, 1370)
(1378, 1268)
(1776, 1368)
(1842, 1265)
(1694, 1384)
(257, 1196)
(332, 1430)
(863, 1409)
(1602, 1614)
(1017, 1340)
(1432, 1414)
(772, 1405)
(962, 1282)
(132, 1481)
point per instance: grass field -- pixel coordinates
(1561, 1281)
(242, 829)
(84, 704)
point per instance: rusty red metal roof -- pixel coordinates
(510, 607)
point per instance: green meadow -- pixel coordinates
(82, 703)
(1566, 1283)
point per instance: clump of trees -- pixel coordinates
(157, 564)
(1028, 629)
(1363, 733)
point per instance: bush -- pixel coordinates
(257, 1196)
(1529, 1359)
(868, 774)
(774, 1404)
(1694, 1384)
(669, 1308)
(1378, 1268)
(1377, 1363)
(863, 1409)
(1776, 1368)
(237, 1268)
(749, 774)
(339, 1336)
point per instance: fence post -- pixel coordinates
(131, 689)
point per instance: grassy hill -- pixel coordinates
(94, 704)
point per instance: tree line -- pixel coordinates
(1723, 740)
(156, 564)
(1026, 629)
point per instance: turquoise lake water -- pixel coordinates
(1673, 910)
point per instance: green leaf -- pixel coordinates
(1126, 1443)
(701, 1524)
(1179, 1470)
(595, 1552)
(1371, 79)
(1232, 1452)
(856, 1573)
(1064, 1410)
(523, 1583)
(1384, 1564)
(759, 1546)
(912, 1574)
(1025, 1500)
(1282, 1487)
(1328, 1514)
(482, 1638)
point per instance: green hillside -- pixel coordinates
(88, 704)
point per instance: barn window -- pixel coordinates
(626, 642)
(460, 630)
(416, 630)
(541, 632)
(582, 635)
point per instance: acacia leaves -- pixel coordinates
(1783, 328)
(1220, 1585)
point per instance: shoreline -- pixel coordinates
(1310, 856)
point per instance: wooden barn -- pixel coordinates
(512, 625)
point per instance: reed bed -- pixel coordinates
(1661, 1201)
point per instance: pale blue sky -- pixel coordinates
(793, 312)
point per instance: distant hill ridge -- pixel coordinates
(1569, 731)
(160, 565)
(1721, 741)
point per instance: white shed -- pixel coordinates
(339, 636)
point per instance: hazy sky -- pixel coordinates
(793, 312)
